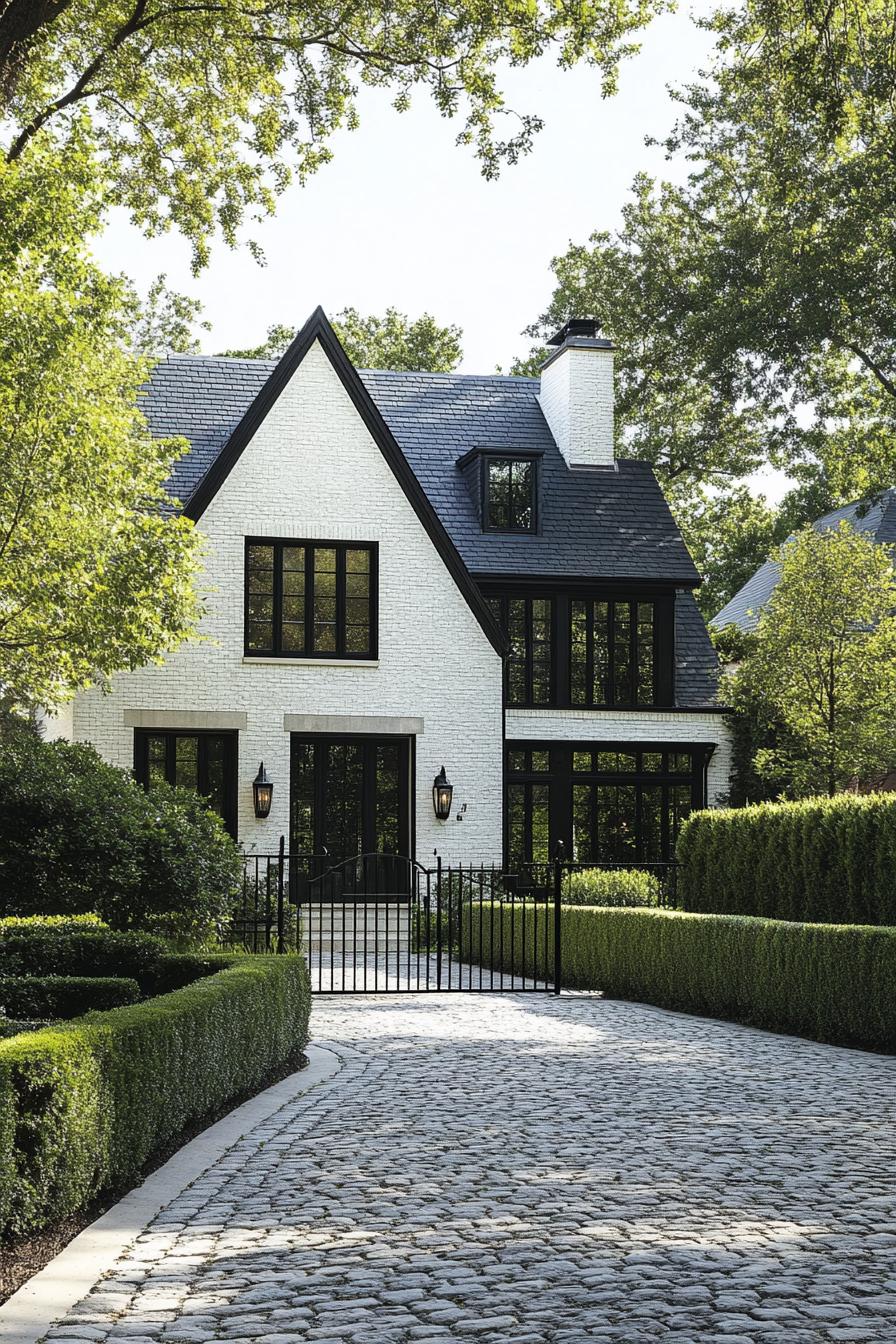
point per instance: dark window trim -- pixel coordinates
(561, 640)
(560, 778)
(487, 457)
(231, 764)
(308, 654)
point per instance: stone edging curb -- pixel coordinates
(33, 1309)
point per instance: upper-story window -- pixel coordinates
(612, 653)
(310, 599)
(509, 494)
(529, 665)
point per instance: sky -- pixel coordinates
(403, 217)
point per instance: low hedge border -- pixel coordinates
(43, 996)
(831, 982)
(85, 1104)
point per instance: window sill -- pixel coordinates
(310, 662)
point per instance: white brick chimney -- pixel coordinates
(577, 394)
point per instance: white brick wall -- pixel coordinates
(570, 725)
(577, 400)
(313, 471)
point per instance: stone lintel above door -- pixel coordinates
(186, 719)
(382, 725)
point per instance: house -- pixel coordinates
(874, 518)
(406, 572)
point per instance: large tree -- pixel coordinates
(96, 572)
(819, 674)
(754, 302)
(203, 111)
(393, 341)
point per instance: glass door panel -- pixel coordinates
(351, 797)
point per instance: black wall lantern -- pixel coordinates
(262, 792)
(442, 793)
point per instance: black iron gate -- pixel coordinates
(382, 923)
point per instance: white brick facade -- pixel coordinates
(313, 471)
(620, 725)
(577, 400)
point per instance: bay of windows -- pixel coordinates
(570, 650)
(605, 803)
(310, 599)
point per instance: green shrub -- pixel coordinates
(71, 949)
(832, 982)
(830, 860)
(18, 923)
(85, 1104)
(52, 996)
(11, 1026)
(177, 969)
(78, 835)
(610, 886)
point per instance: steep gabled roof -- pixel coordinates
(221, 463)
(875, 517)
(607, 523)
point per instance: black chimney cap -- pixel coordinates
(576, 326)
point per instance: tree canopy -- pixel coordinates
(96, 573)
(393, 341)
(202, 112)
(820, 671)
(754, 303)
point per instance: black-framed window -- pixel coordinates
(204, 761)
(529, 665)
(310, 599)
(606, 802)
(509, 494)
(612, 652)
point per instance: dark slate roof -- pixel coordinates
(875, 517)
(606, 523)
(696, 663)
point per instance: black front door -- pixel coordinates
(349, 797)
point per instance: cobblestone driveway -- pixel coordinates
(538, 1171)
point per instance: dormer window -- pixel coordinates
(509, 494)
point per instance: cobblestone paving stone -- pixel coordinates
(534, 1170)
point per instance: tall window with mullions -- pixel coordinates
(527, 623)
(310, 599)
(205, 762)
(612, 653)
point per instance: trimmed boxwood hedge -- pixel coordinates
(831, 860)
(832, 982)
(610, 886)
(85, 1104)
(64, 995)
(39, 948)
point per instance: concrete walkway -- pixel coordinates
(535, 1170)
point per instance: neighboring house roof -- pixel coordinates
(614, 523)
(875, 517)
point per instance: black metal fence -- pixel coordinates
(382, 923)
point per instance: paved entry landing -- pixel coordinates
(536, 1170)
